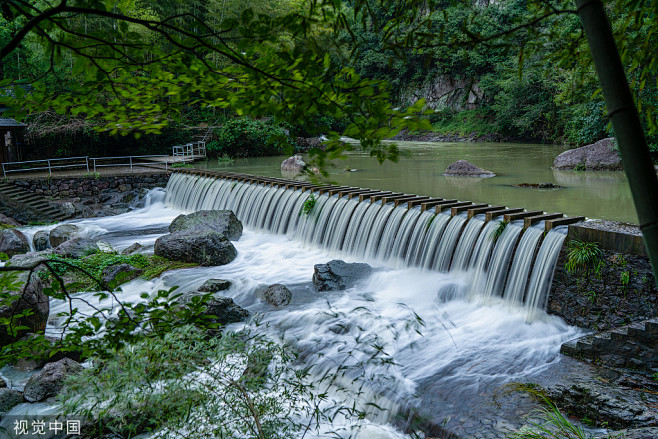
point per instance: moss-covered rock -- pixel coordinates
(220, 221)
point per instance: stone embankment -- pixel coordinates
(87, 196)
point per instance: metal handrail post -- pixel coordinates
(3, 171)
(50, 172)
(94, 165)
(87, 163)
(131, 163)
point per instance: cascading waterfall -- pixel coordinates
(442, 355)
(464, 249)
(516, 286)
(500, 258)
(542, 275)
(395, 235)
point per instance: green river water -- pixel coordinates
(604, 195)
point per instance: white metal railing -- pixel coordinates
(132, 160)
(49, 164)
(83, 162)
(189, 151)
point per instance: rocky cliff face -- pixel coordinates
(445, 92)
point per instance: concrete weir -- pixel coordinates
(511, 251)
(425, 202)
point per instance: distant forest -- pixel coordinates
(527, 88)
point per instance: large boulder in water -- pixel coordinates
(204, 247)
(50, 380)
(13, 242)
(214, 285)
(63, 233)
(77, 248)
(23, 298)
(220, 221)
(339, 275)
(464, 168)
(41, 240)
(277, 295)
(599, 156)
(292, 166)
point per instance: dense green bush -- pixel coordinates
(246, 137)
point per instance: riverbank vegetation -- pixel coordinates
(537, 85)
(82, 274)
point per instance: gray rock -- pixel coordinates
(49, 380)
(30, 258)
(604, 403)
(8, 221)
(3, 383)
(13, 242)
(599, 156)
(197, 246)
(111, 273)
(63, 233)
(277, 295)
(9, 399)
(223, 309)
(40, 240)
(67, 208)
(77, 248)
(464, 168)
(339, 275)
(293, 165)
(136, 247)
(220, 221)
(28, 297)
(45, 351)
(214, 285)
(636, 433)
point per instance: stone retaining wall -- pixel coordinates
(91, 186)
(621, 291)
(94, 196)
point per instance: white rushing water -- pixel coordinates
(425, 320)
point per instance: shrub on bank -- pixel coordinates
(246, 137)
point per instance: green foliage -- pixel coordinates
(246, 137)
(550, 424)
(237, 385)
(181, 165)
(498, 231)
(625, 278)
(478, 121)
(547, 422)
(126, 398)
(582, 256)
(308, 205)
(152, 266)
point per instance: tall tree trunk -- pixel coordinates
(625, 121)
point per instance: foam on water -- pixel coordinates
(423, 320)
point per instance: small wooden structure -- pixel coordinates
(12, 135)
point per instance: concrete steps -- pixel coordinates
(32, 201)
(633, 346)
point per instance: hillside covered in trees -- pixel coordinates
(507, 71)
